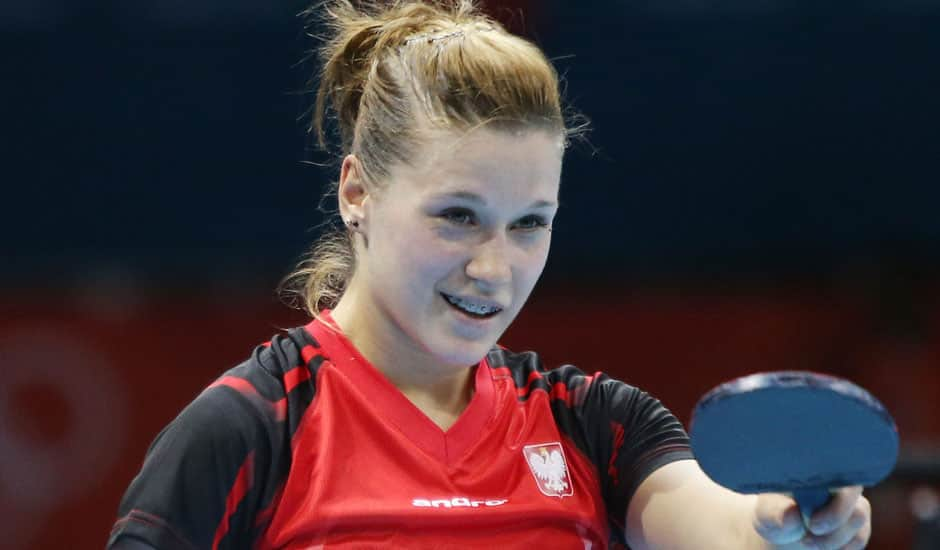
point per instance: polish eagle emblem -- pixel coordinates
(548, 466)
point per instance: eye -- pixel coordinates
(458, 216)
(531, 223)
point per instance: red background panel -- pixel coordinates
(87, 388)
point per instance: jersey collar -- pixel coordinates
(447, 446)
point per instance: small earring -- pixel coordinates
(352, 223)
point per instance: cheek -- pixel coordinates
(535, 258)
(417, 261)
(531, 266)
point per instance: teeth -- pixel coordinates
(470, 307)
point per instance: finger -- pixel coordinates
(860, 540)
(855, 529)
(778, 519)
(836, 512)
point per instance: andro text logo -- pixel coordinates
(456, 502)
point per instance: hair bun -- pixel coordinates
(355, 36)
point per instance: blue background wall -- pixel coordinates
(760, 143)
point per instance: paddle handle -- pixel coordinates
(811, 500)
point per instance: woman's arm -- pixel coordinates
(679, 507)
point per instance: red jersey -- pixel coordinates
(308, 446)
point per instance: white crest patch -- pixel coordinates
(549, 468)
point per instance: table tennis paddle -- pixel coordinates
(793, 432)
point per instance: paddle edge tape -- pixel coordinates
(792, 379)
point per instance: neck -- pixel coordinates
(442, 392)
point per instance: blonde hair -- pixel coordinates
(394, 71)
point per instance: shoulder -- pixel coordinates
(276, 383)
(567, 382)
(247, 397)
(252, 401)
(278, 359)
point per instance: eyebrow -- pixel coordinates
(473, 197)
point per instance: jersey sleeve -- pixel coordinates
(203, 478)
(625, 431)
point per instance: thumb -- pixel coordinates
(777, 519)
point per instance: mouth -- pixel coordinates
(472, 307)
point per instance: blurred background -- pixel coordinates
(759, 192)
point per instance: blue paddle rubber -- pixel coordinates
(793, 432)
(811, 500)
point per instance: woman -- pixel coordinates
(393, 419)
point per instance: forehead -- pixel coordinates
(489, 161)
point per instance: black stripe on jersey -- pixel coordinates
(281, 359)
(521, 366)
(303, 393)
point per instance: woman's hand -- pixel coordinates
(844, 523)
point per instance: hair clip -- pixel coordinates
(432, 37)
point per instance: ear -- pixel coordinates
(352, 192)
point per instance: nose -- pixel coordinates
(490, 266)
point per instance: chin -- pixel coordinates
(454, 342)
(463, 353)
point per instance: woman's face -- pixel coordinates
(456, 243)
